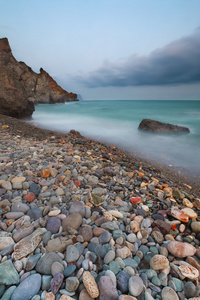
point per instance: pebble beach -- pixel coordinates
(83, 220)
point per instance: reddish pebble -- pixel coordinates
(180, 249)
(30, 197)
(45, 173)
(77, 183)
(135, 200)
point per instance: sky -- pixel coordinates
(109, 49)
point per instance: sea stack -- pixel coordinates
(21, 87)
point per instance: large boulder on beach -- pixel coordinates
(160, 127)
(21, 87)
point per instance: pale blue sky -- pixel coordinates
(114, 49)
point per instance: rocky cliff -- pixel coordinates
(21, 87)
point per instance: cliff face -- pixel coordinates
(20, 87)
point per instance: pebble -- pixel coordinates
(136, 286)
(159, 262)
(27, 288)
(72, 253)
(180, 249)
(77, 213)
(107, 289)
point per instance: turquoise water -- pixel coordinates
(117, 122)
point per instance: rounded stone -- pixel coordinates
(28, 288)
(44, 264)
(159, 262)
(107, 289)
(72, 221)
(77, 207)
(180, 249)
(69, 270)
(110, 256)
(53, 224)
(72, 284)
(56, 282)
(72, 253)
(86, 232)
(195, 227)
(56, 268)
(169, 293)
(189, 289)
(135, 285)
(105, 237)
(123, 281)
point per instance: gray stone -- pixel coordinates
(35, 213)
(110, 256)
(69, 270)
(56, 268)
(14, 215)
(97, 249)
(35, 189)
(136, 286)
(86, 232)
(32, 261)
(72, 253)
(189, 289)
(72, 284)
(28, 288)
(169, 293)
(20, 207)
(44, 264)
(46, 281)
(107, 289)
(72, 221)
(105, 237)
(110, 226)
(23, 232)
(123, 282)
(8, 273)
(77, 207)
(53, 224)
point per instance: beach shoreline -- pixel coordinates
(184, 179)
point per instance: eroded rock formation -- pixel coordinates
(160, 127)
(21, 87)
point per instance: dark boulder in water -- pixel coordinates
(160, 127)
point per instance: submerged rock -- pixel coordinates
(160, 127)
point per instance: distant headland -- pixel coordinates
(21, 88)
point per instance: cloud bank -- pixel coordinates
(175, 63)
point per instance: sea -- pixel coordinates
(116, 122)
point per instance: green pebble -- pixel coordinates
(154, 250)
(178, 283)
(114, 267)
(150, 273)
(7, 295)
(155, 280)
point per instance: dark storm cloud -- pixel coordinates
(176, 63)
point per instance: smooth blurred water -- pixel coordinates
(117, 122)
